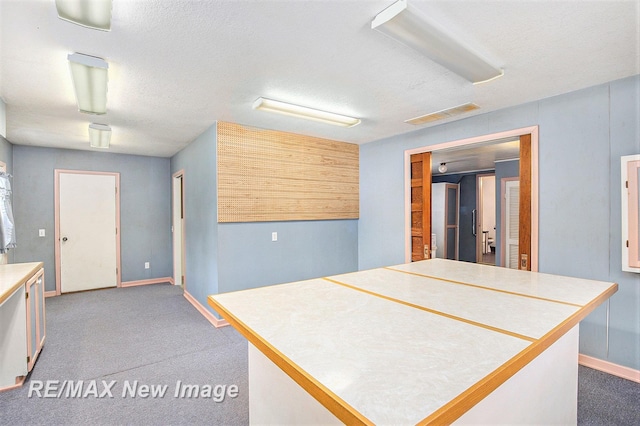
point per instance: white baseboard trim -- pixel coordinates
(217, 323)
(50, 293)
(171, 281)
(610, 368)
(146, 282)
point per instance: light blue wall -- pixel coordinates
(144, 207)
(199, 162)
(309, 249)
(235, 256)
(582, 136)
(6, 153)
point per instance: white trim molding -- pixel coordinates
(217, 323)
(610, 368)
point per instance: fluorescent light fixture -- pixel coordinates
(89, 76)
(99, 135)
(442, 114)
(94, 14)
(414, 29)
(304, 112)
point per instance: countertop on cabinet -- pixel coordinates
(14, 275)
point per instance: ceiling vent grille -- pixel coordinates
(442, 114)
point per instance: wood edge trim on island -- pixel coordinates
(458, 406)
(217, 323)
(332, 402)
(609, 368)
(4, 296)
(163, 280)
(436, 312)
(498, 290)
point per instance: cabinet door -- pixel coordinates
(35, 317)
(41, 311)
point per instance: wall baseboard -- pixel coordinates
(162, 280)
(171, 281)
(217, 323)
(610, 368)
(50, 293)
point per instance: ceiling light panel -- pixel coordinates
(99, 135)
(305, 112)
(413, 28)
(94, 14)
(90, 77)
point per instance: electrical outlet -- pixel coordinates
(274, 236)
(41, 232)
(146, 265)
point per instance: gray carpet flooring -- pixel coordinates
(153, 335)
(150, 334)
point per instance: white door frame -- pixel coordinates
(56, 191)
(179, 273)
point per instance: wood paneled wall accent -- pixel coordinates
(267, 175)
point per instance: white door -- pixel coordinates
(512, 223)
(87, 218)
(178, 230)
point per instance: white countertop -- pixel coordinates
(396, 345)
(14, 275)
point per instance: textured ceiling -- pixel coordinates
(177, 66)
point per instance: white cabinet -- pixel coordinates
(630, 213)
(22, 321)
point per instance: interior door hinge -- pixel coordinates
(627, 243)
(26, 295)
(182, 279)
(28, 359)
(626, 184)
(116, 271)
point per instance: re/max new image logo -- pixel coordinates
(98, 389)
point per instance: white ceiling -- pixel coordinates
(177, 66)
(476, 158)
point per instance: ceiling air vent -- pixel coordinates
(442, 114)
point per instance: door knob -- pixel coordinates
(64, 238)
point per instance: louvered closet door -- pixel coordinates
(512, 223)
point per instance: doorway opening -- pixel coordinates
(486, 219)
(481, 210)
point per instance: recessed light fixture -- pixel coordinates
(413, 28)
(442, 167)
(89, 75)
(94, 14)
(305, 112)
(99, 135)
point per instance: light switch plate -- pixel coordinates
(274, 236)
(41, 232)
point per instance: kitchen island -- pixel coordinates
(435, 341)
